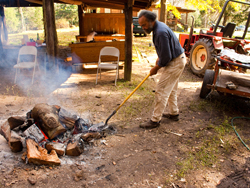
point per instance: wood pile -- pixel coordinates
(48, 131)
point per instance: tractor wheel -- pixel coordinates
(208, 79)
(201, 56)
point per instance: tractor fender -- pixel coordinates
(217, 42)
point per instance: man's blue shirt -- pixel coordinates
(166, 43)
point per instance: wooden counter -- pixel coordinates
(89, 52)
(100, 38)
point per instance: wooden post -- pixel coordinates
(163, 11)
(51, 35)
(44, 22)
(80, 16)
(1, 45)
(3, 32)
(128, 11)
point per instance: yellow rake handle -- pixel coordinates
(132, 92)
(127, 98)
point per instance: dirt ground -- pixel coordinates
(200, 150)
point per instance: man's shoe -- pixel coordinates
(150, 125)
(172, 117)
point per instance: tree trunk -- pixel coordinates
(22, 19)
(225, 17)
(1, 45)
(44, 22)
(128, 10)
(163, 11)
(80, 16)
(51, 35)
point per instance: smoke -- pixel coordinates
(47, 78)
(53, 84)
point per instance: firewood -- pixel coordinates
(16, 121)
(67, 118)
(13, 139)
(69, 122)
(38, 155)
(90, 136)
(5, 130)
(75, 149)
(58, 147)
(15, 142)
(48, 119)
(34, 131)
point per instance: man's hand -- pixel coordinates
(154, 70)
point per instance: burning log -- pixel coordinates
(67, 118)
(34, 132)
(13, 139)
(50, 127)
(48, 119)
(67, 121)
(39, 155)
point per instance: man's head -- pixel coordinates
(147, 20)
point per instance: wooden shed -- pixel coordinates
(128, 6)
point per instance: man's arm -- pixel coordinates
(155, 69)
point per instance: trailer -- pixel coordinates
(224, 80)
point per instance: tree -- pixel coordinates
(163, 11)
(68, 12)
(170, 7)
(33, 17)
(210, 10)
(12, 20)
(20, 10)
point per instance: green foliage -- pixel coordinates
(12, 20)
(241, 16)
(68, 12)
(33, 18)
(210, 9)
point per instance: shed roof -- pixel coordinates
(114, 4)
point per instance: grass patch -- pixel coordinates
(202, 105)
(139, 103)
(220, 141)
(65, 36)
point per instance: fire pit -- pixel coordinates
(49, 131)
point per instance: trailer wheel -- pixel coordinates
(208, 79)
(201, 56)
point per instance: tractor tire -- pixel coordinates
(208, 79)
(201, 56)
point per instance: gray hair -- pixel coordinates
(150, 16)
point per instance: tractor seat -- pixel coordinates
(228, 30)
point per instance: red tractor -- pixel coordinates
(203, 47)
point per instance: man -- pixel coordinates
(172, 59)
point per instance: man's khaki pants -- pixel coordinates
(166, 90)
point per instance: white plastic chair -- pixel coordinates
(26, 50)
(108, 51)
